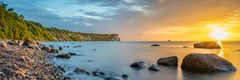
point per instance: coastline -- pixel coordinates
(27, 62)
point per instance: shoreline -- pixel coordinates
(20, 62)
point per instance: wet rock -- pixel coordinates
(72, 53)
(124, 76)
(138, 65)
(67, 56)
(81, 71)
(51, 46)
(206, 63)
(3, 44)
(155, 45)
(60, 48)
(54, 51)
(48, 49)
(154, 68)
(168, 61)
(208, 45)
(114, 78)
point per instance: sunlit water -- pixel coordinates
(114, 58)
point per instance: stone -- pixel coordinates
(155, 45)
(80, 71)
(207, 44)
(54, 51)
(48, 49)
(30, 43)
(72, 53)
(3, 44)
(60, 48)
(154, 68)
(138, 65)
(67, 56)
(124, 76)
(168, 61)
(206, 63)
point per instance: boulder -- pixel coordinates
(81, 71)
(124, 76)
(3, 44)
(138, 65)
(155, 45)
(60, 48)
(72, 53)
(29, 43)
(207, 44)
(54, 51)
(48, 49)
(206, 63)
(168, 61)
(154, 68)
(64, 56)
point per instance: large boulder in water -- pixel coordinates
(207, 44)
(206, 63)
(168, 61)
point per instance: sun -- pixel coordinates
(218, 33)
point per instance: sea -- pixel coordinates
(114, 58)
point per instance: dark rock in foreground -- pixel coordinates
(154, 68)
(67, 56)
(206, 63)
(138, 65)
(155, 45)
(208, 45)
(168, 61)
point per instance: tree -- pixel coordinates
(10, 10)
(3, 5)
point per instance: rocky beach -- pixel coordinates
(27, 62)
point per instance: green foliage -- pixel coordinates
(13, 26)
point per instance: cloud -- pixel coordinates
(141, 9)
(129, 1)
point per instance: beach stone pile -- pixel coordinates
(23, 63)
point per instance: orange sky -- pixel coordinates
(187, 20)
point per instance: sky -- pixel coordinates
(137, 20)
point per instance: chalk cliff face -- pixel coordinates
(116, 37)
(14, 26)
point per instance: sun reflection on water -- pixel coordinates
(221, 52)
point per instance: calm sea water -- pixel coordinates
(114, 58)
